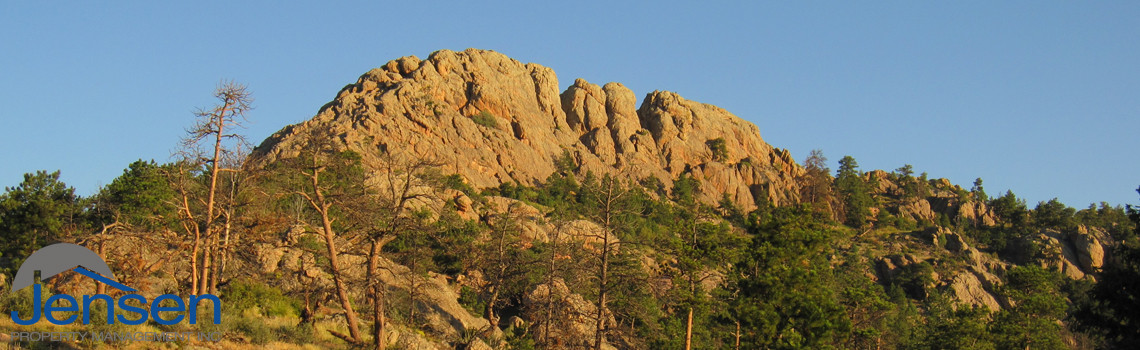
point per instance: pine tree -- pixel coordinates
(783, 284)
(853, 192)
(816, 182)
(1114, 311)
(35, 213)
(1033, 322)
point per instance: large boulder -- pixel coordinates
(1060, 254)
(1089, 250)
(968, 289)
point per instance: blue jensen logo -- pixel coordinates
(61, 257)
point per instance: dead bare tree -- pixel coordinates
(179, 177)
(402, 183)
(560, 221)
(501, 259)
(205, 146)
(231, 200)
(609, 205)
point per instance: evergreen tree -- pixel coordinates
(905, 171)
(608, 202)
(979, 192)
(816, 182)
(35, 213)
(328, 181)
(949, 327)
(700, 245)
(1113, 314)
(1033, 322)
(141, 196)
(1054, 214)
(503, 260)
(1011, 210)
(854, 193)
(867, 304)
(1112, 219)
(783, 285)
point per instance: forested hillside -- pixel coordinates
(460, 202)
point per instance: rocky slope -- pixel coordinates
(970, 275)
(493, 119)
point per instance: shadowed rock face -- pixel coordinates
(493, 119)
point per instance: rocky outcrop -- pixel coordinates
(927, 201)
(977, 284)
(493, 119)
(1090, 251)
(1076, 254)
(977, 212)
(955, 243)
(968, 289)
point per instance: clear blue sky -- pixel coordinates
(1041, 97)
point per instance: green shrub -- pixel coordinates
(915, 280)
(299, 334)
(719, 149)
(258, 332)
(519, 339)
(470, 300)
(227, 325)
(21, 300)
(907, 224)
(243, 295)
(486, 119)
(456, 182)
(885, 219)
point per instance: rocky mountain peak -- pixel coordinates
(493, 119)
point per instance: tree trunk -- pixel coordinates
(412, 290)
(191, 227)
(334, 262)
(599, 330)
(378, 317)
(101, 288)
(692, 290)
(194, 276)
(608, 209)
(223, 248)
(550, 288)
(490, 310)
(219, 121)
(223, 257)
(497, 286)
(737, 347)
(689, 330)
(338, 280)
(204, 281)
